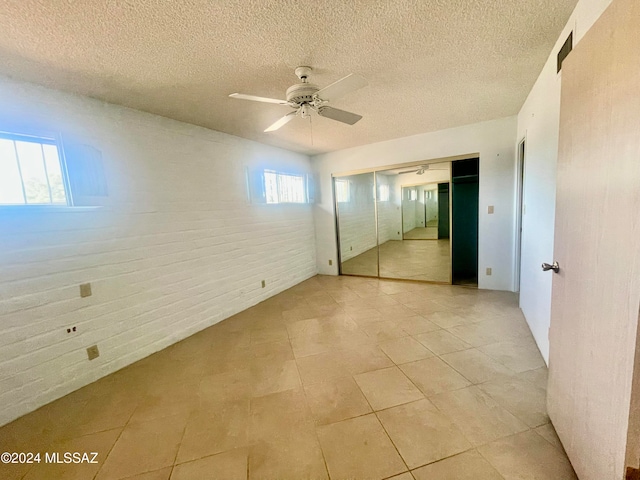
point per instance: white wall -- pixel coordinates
(420, 206)
(358, 217)
(431, 205)
(176, 247)
(409, 209)
(538, 122)
(492, 140)
(389, 213)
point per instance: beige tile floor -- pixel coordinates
(338, 377)
(424, 260)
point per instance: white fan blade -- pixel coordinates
(283, 121)
(242, 96)
(345, 85)
(339, 115)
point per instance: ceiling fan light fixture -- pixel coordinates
(306, 97)
(305, 110)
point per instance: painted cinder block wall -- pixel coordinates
(357, 217)
(175, 247)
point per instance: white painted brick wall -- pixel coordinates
(408, 210)
(357, 218)
(389, 214)
(176, 247)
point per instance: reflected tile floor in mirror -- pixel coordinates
(424, 260)
(428, 260)
(337, 377)
(422, 233)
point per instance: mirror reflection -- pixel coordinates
(421, 249)
(356, 210)
(395, 224)
(420, 212)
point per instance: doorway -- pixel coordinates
(464, 221)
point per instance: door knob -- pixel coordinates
(555, 267)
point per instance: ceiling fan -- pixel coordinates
(422, 169)
(306, 97)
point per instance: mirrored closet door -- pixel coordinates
(395, 223)
(416, 248)
(357, 229)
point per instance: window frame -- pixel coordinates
(40, 138)
(278, 178)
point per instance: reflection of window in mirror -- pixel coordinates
(384, 193)
(412, 194)
(343, 193)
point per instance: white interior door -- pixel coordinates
(595, 296)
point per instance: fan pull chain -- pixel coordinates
(311, 126)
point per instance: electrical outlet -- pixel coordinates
(72, 329)
(489, 271)
(490, 210)
(350, 248)
(85, 290)
(330, 262)
(93, 352)
(264, 283)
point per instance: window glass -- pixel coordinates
(342, 191)
(384, 193)
(284, 187)
(30, 171)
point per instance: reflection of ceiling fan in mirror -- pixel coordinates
(421, 169)
(306, 97)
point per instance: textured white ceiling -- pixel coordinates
(431, 64)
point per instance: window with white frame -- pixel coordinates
(31, 171)
(284, 187)
(343, 191)
(413, 195)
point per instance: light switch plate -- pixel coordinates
(490, 209)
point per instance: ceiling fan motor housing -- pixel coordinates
(301, 93)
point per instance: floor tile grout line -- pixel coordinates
(114, 444)
(445, 458)
(382, 425)
(392, 442)
(315, 427)
(184, 430)
(487, 443)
